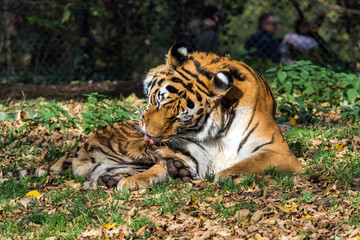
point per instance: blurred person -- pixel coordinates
(297, 43)
(263, 44)
(204, 36)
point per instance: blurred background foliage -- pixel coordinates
(59, 41)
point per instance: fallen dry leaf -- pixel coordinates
(92, 233)
(242, 214)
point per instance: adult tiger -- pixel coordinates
(205, 114)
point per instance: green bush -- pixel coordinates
(304, 89)
(101, 112)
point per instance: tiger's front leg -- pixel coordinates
(168, 164)
(153, 175)
(258, 163)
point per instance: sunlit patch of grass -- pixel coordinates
(166, 196)
(139, 222)
(228, 211)
(281, 179)
(305, 196)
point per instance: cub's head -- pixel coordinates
(182, 94)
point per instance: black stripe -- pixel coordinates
(198, 96)
(122, 150)
(93, 169)
(190, 104)
(32, 171)
(86, 146)
(172, 89)
(160, 81)
(195, 76)
(108, 156)
(234, 71)
(188, 86)
(202, 71)
(269, 91)
(262, 145)
(152, 85)
(200, 111)
(215, 60)
(109, 145)
(250, 70)
(120, 132)
(265, 83)
(228, 124)
(186, 78)
(188, 154)
(246, 137)
(203, 125)
(252, 115)
(130, 167)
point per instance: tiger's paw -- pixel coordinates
(178, 171)
(225, 174)
(132, 183)
(107, 180)
(104, 180)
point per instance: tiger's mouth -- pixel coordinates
(154, 141)
(148, 139)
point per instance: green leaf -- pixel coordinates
(31, 112)
(281, 119)
(288, 87)
(109, 119)
(309, 90)
(271, 70)
(52, 126)
(4, 116)
(281, 76)
(304, 74)
(91, 99)
(20, 129)
(352, 94)
(48, 116)
(66, 16)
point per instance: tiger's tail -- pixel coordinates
(57, 166)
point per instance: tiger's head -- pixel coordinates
(182, 94)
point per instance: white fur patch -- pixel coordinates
(147, 81)
(183, 51)
(222, 77)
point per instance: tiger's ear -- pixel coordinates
(177, 55)
(221, 83)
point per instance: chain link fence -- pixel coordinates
(33, 49)
(61, 41)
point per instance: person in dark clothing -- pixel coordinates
(204, 35)
(263, 44)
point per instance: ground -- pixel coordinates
(70, 91)
(323, 202)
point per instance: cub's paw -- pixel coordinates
(178, 171)
(133, 183)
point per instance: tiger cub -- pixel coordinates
(205, 114)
